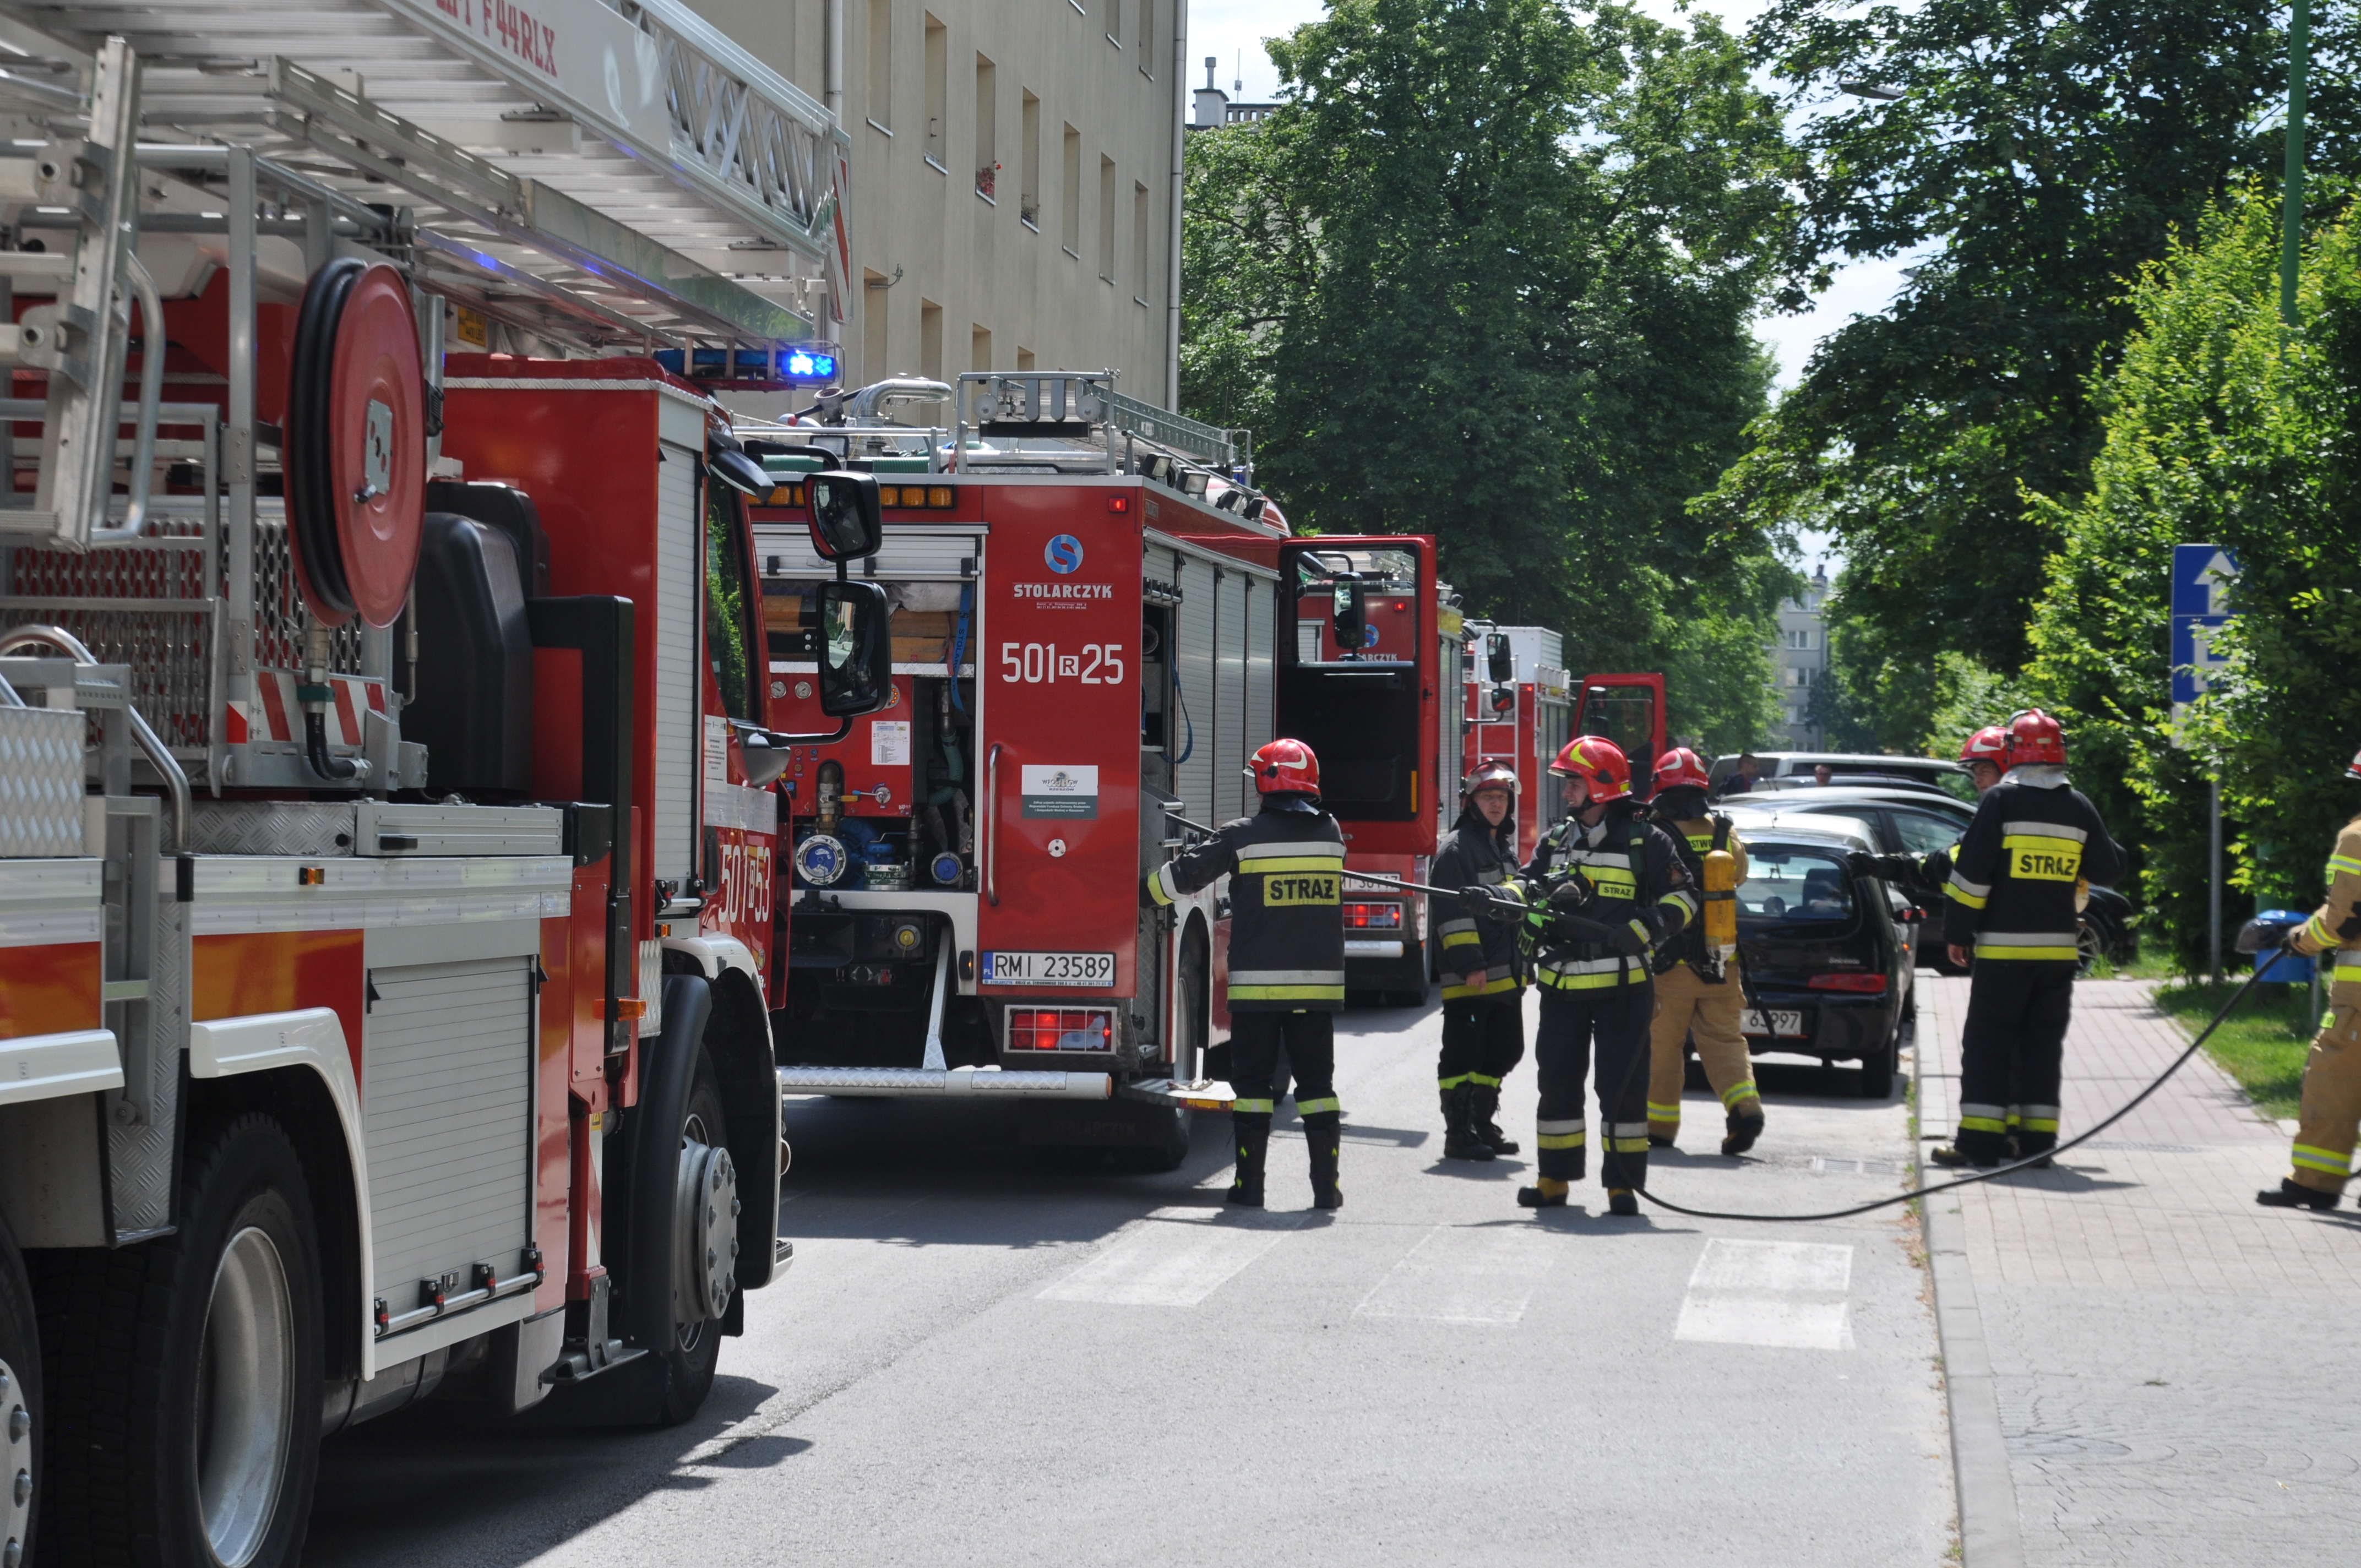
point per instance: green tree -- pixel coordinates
(2036, 157)
(1488, 274)
(2221, 426)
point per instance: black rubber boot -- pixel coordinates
(1622, 1200)
(2295, 1195)
(1535, 1198)
(1658, 1141)
(1250, 1137)
(1743, 1131)
(1322, 1134)
(1483, 1115)
(1460, 1138)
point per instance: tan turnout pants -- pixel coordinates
(1687, 1006)
(2332, 1095)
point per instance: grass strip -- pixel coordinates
(2262, 1044)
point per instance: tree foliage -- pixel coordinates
(2223, 427)
(2038, 155)
(1487, 274)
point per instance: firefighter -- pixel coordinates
(1622, 880)
(2034, 843)
(1482, 970)
(2331, 1111)
(1699, 991)
(1286, 866)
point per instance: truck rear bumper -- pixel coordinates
(984, 1082)
(1362, 947)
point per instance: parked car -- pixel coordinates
(1798, 765)
(1829, 965)
(1915, 822)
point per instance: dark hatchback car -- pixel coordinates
(1918, 822)
(1829, 966)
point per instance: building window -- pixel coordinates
(939, 66)
(987, 130)
(1144, 14)
(1028, 188)
(1139, 242)
(1114, 23)
(979, 348)
(880, 107)
(930, 340)
(1024, 359)
(1070, 222)
(1106, 220)
(874, 292)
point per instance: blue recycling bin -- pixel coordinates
(2279, 967)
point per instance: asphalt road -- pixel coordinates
(978, 1360)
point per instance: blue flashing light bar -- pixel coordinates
(801, 365)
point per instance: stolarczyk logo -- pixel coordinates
(1064, 554)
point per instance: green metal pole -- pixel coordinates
(2291, 202)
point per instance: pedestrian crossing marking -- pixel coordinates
(1463, 1275)
(1176, 1257)
(1784, 1295)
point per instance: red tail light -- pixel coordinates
(1061, 1029)
(1373, 917)
(1874, 984)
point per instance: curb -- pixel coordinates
(1983, 1488)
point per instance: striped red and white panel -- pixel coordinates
(275, 715)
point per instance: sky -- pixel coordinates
(1232, 32)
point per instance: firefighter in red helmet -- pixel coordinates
(1286, 866)
(1620, 880)
(2011, 897)
(1482, 966)
(2331, 1109)
(1699, 992)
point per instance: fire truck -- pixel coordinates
(1522, 706)
(386, 854)
(1096, 620)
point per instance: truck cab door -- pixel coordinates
(1371, 712)
(1629, 710)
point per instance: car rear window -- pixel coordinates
(1789, 887)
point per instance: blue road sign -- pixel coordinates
(2201, 579)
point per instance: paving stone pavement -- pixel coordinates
(2174, 1366)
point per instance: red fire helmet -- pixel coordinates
(1989, 744)
(2034, 737)
(1680, 769)
(1286, 767)
(2353, 769)
(1598, 763)
(1493, 774)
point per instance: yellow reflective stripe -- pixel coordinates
(2319, 931)
(2345, 972)
(1287, 994)
(2329, 1160)
(1982, 1124)
(1561, 1140)
(1628, 1146)
(1490, 987)
(1159, 887)
(2040, 1123)
(1973, 900)
(1447, 1082)
(1740, 1090)
(2042, 857)
(1556, 981)
(2067, 955)
(1290, 864)
(1663, 1112)
(1254, 1107)
(1483, 1079)
(1314, 1106)
(1461, 938)
(2344, 863)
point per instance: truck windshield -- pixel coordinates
(1388, 579)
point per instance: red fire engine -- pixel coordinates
(385, 865)
(1088, 600)
(1522, 708)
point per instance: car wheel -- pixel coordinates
(2090, 947)
(1876, 1079)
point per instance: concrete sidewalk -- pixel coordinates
(2172, 1368)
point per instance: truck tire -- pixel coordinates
(696, 1350)
(21, 1427)
(184, 1373)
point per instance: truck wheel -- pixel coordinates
(696, 1349)
(20, 1408)
(185, 1373)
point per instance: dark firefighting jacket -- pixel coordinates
(1634, 876)
(1477, 854)
(2012, 892)
(1286, 868)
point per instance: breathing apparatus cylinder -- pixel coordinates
(1721, 901)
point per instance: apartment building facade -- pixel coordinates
(1799, 660)
(1013, 199)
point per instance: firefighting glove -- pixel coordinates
(1631, 938)
(1936, 867)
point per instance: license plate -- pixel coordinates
(1784, 1021)
(1049, 969)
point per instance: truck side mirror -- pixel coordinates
(1352, 613)
(1500, 659)
(856, 649)
(846, 521)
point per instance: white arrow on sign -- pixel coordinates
(2217, 576)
